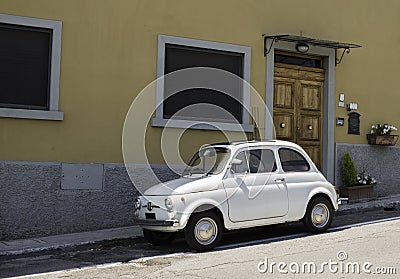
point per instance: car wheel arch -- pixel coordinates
(206, 207)
(318, 195)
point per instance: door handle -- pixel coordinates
(280, 180)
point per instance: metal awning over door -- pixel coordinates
(309, 41)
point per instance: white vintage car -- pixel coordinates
(237, 185)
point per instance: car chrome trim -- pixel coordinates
(162, 223)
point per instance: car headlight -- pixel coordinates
(137, 203)
(168, 203)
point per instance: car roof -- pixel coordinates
(250, 143)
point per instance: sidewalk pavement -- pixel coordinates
(25, 246)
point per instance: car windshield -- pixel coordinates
(209, 160)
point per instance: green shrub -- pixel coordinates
(349, 172)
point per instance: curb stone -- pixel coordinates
(26, 246)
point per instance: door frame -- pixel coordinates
(328, 132)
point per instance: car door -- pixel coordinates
(298, 176)
(254, 188)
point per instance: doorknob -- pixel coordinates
(310, 127)
(283, 125)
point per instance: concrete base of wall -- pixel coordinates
(40, 199)
(33, 203)
(382, 162)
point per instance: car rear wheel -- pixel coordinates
(158, 238)
(318, 216)
(203, 231)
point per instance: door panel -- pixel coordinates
(313, 76)
(284, 94)
(310, 128)
(286, 72)
(284, 126)
(302, 112)
(311, 97)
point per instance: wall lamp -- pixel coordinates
(302, 47)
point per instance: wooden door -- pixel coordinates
(298, 107)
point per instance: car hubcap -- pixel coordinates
(205, 231)
(320, 215)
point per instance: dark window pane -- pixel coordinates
(262, 160)
(298, 61)
(24, 67)
(291, 160)
(181, 57)
(268, 160)
(255, 161)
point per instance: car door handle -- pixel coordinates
(280, 180)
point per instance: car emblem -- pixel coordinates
(149, 206)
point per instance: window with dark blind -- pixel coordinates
(25, 65)
(202, 85)
(178, 57)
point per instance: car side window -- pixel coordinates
(268, 159)
(261, 160)
(293, 161)
(243, 167)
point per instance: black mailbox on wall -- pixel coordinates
(354, 123)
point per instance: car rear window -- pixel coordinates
(293, 161)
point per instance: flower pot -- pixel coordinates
(358, 192)
(382, 140)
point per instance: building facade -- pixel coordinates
(71, 70)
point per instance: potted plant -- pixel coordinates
(356, 186)
(381, 135)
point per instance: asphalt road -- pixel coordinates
(125, 250)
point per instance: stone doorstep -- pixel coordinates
(24, 246)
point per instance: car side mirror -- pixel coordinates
(236, 161)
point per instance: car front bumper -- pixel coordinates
(342, 200)
(158, 223)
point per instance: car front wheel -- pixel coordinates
(318, 216)
(158, 238)
(203, 231)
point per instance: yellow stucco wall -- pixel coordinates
(109, 52)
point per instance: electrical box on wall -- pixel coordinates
(81, 176)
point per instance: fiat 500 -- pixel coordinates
(234, 186)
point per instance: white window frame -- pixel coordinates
(202, 124)
(53, 113)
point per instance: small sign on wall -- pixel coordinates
(354, 123)
(339, 121)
